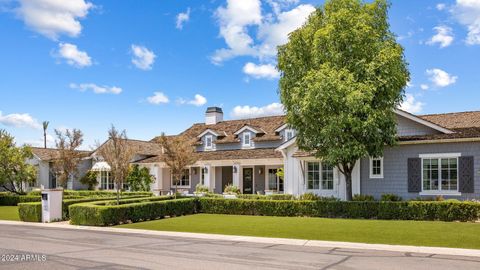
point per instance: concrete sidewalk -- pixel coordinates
(263, 240)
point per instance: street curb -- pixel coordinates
(263, 240)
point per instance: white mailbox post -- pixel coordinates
(52, 205)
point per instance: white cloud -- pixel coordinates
(441, 6)
(198, 101)
(444, 36)
(96, 88)
(19, 120)
(267, 71)
(143, 58)
(424, 86)
(182, 18)
(40, 143)
(411, 105)
(239, 18)
(158, 98)
(253, 111)
(73, 56)
(53, 18)
(440, 78)
(467, 12)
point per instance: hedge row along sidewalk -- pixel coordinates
(105, 213)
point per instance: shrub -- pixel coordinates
(199, 188)
(412, 210)
(98, 214)
(139, 179)
(11, 199)
(266, 197)
(231, 189)
(314, 197)
(30, 212)
(390, 198)
(90, 179)
(96, 193)
(363, 198)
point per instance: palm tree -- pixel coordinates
(45, 126)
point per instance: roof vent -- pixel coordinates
(213, 115)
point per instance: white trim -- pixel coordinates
(249, 145)
(435, 141)
(320, 175)
(241, 162)
(440, 193)
(286, 144)
(289, 130)
(440, 155)
(209, 136)
(380, 176)
(422, 121)
(206, 132)
(244, 128)
(172, 185)
(282, 127)
(266, 177)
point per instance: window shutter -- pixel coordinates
(414, 175)
(466, 174)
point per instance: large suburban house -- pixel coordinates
(436, 155)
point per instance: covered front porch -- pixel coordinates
(253, 176)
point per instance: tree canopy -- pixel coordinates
(139, 178)
(342, 76)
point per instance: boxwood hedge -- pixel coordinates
(101, 214)
(96, 193)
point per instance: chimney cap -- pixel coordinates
(214, 110)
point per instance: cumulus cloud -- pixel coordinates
(198, 101)
(73, 56)
(440, 78)
(424, 86)
(143, 58)
(238, 18)
(411, 105)
(467, 12)
(253, 111)
(97, 89)
(53, 18)
(182, 18)
(444, 36)
(158, 98)
(266, 71)
(19, 120)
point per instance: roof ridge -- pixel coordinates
(433, 114)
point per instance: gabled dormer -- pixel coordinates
(246, 135)
(207, 139)
(285, 132)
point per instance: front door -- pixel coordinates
(247, 180)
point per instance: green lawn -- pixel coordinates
(419, 233)
(9, 213)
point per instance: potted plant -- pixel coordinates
(231, 191)
(201, 190)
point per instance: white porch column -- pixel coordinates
(207, 181)
(236, 175)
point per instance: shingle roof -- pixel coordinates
(147, 148)
(47, 154)
(457, 120)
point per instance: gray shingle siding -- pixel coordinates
(395, 173)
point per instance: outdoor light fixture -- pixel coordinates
(234, 169)
(260, 171)
(195, 170)
(206, 169)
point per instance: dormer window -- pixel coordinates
(208, 142)
(247, 139)
(289, 133)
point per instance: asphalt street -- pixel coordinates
(25, 247)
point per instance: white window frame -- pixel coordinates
(289, 131)
(189, 180)
(439, 191)
(376, 176)
(208, 137)
(320, 175)
(245, 145)
(267, 184)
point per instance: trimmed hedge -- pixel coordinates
(97, 193)
(411, 210)
(9, 199)
(32, 212)
(100, 214)
(266, 197)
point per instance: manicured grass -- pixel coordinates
(9, 213)
(418, 233)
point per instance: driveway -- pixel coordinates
(77, 249)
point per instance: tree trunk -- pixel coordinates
(44, 139)
(118, 193)
(348, 185)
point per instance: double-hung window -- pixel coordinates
(247, 140)
(319, 176)
(184, 180)
(376, 167)
(208, 142)
(440, 174)
(275, 182)
(289, 133)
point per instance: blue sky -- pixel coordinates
(154, 66)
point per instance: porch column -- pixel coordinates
(207, 182)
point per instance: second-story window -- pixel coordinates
(246, 139)
(289, 134)
(208, 142)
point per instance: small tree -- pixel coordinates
(90, 179)
(342, 76)
(178, 154)
(66, 164)
(118, 153)
(14, 171)
(139, 179)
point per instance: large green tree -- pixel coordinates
(342, 76)
(15, 173)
